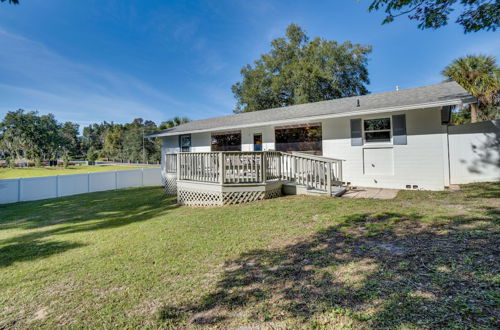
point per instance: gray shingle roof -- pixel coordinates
(432, 95)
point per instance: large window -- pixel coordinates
(305, 138)
(226, 141)
(377, 130)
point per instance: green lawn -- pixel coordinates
(30, 172)
(132, 258)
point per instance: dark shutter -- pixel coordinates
(446, 114)
(399, 129)
(356, 136)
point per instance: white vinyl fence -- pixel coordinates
(30, 189)
(474, 152)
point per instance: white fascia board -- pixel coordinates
(328, 116)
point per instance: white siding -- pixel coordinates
(267, 138)
(420, 162)
(378, 161)
(200, 142)
(474, 152)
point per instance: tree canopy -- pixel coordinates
(480, 76)
(172, 122)
(297, 71)
(28, 135)
(475, 15)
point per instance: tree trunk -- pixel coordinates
(474, 112)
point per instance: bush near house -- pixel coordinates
(132, 258)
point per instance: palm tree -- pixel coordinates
(172, 122)
(480, 76)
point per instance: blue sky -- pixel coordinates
(116, 60)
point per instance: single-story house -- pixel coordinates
(396, 139)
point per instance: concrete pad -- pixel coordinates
(375, 193)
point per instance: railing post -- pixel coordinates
(222, 172)
(340, 175)
(280, 158)
(329, 178)
(178, 164)
(263, 167)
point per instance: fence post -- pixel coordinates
(222, 167)
(57, 185)
(19, 194)
(142, 177)
(88, 182)
(329, 178)
(116, 180)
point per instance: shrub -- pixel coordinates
(91, 156)
(66, 160)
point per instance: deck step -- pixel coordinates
(292, 188)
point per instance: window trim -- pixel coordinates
(377, 130)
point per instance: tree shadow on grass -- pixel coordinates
(126, 204)
(30, 250)
(377, 270)
(90, 212)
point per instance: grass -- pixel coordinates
(132, 258)
(30, 172)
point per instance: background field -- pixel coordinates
(30, 172)
(132, 258)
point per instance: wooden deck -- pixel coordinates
(222, 178)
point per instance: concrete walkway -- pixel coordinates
(377, 193)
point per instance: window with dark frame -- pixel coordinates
(226, 141)
(377, 130)
(305, 138)
(185, 142)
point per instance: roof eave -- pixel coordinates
(459, 101)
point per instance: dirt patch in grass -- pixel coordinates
(415, 275)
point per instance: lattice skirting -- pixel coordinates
(229, 198)
(198, 198)
(170, 184)
(273, 193)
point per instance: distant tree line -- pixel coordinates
(31, 136)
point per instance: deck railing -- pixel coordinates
(313, 171)
(171, 163)
(199, 166)
(230, 167)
